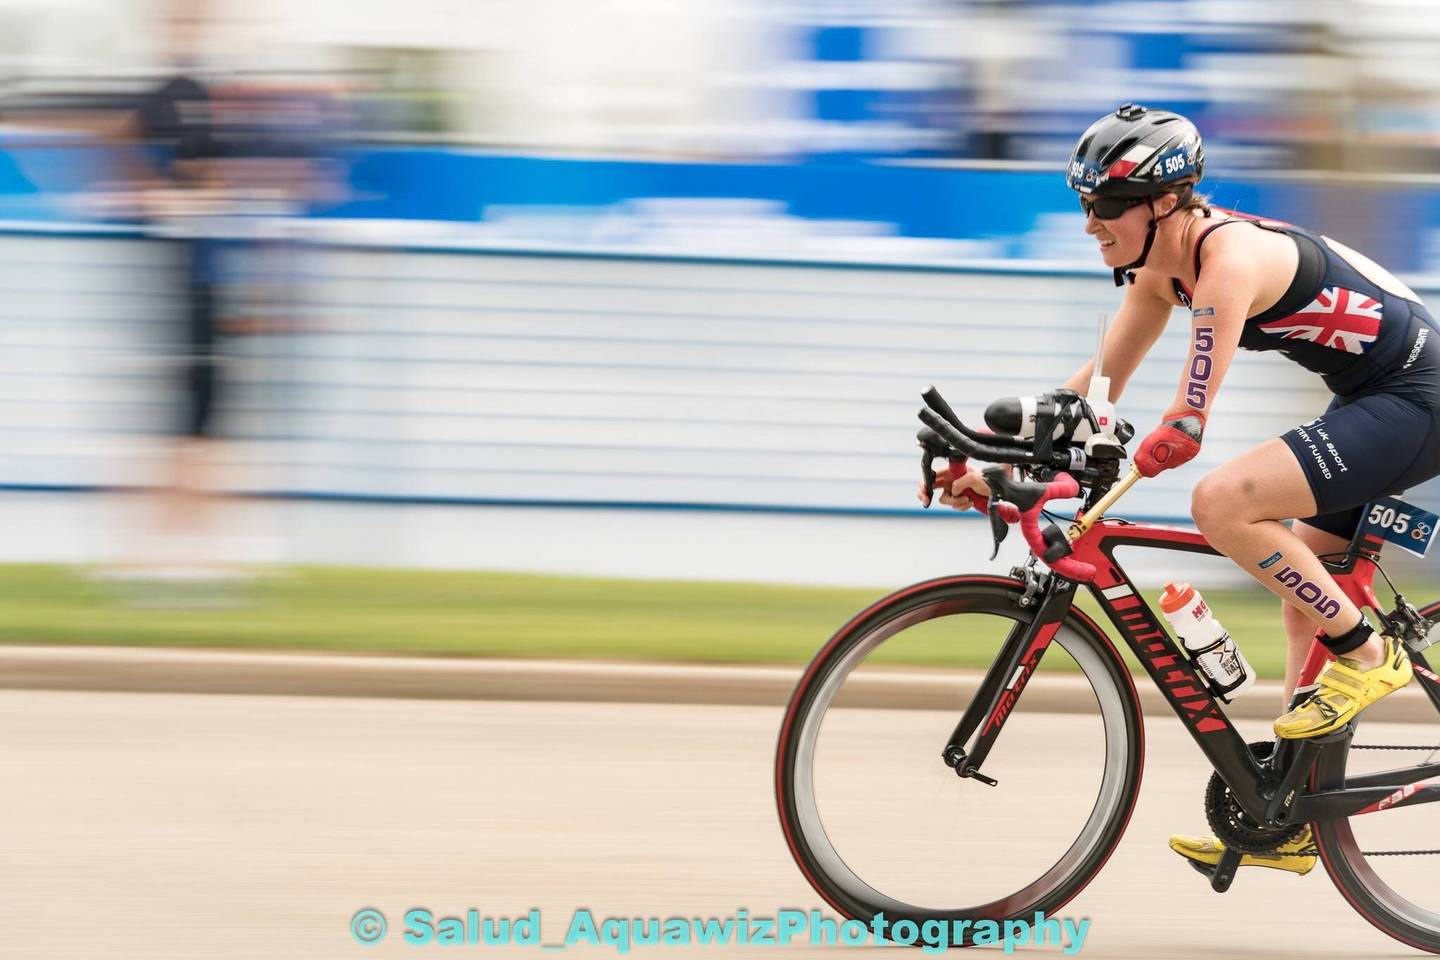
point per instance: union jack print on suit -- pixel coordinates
(1338, 318)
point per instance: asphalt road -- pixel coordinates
(209, 826)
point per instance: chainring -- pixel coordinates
(1233, 825)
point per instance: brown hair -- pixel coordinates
(1189, 199)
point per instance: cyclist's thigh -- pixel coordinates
(1366, 448)
(1263, 483)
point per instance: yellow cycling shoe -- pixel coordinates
(1297, 856)
(1343, 691)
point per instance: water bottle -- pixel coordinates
(1208, 644)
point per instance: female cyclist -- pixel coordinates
(1264, 285)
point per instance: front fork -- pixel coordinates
(999, 691)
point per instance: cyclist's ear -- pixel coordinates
(1165, 204)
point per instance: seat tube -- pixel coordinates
(1356, 578)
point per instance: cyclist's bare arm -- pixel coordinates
(1224, 297)
(1138, 324)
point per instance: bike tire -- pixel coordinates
(1367, 892)
(1116, 699)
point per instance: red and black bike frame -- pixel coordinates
(1270, 793)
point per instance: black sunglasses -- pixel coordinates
(1109, 208)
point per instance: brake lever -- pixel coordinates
(931, 446)
(999, 529)
(927, 469)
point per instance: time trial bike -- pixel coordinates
(929, 813)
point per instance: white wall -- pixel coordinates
(561, 381)
(491, 376)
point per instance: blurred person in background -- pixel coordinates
(174, 121)
(201, 160)
(1264, 285)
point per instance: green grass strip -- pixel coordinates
(504, 615)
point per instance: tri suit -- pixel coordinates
(1377, 349)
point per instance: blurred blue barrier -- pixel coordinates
(903, 213)
(1010, 213)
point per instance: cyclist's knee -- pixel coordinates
(1215, 501)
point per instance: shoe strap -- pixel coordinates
(1394, 648)
(1343, 679)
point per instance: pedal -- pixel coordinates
(1334, 736)
(1224, 873)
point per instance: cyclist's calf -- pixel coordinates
(1299, 634)
(1238, 508)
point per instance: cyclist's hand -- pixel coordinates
(961, 486)
(1173, 443)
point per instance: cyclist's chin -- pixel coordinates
(1114, 255)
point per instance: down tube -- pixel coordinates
(1166, 662)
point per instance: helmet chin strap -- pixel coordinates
(1126, 274)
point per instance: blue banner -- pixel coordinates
(981, 213)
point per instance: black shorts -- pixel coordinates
(1377, 443)
(199, 364)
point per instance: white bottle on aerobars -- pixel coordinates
(1209, 645)
(1097, 395)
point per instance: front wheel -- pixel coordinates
(879, 824)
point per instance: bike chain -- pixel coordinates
(1395, 853)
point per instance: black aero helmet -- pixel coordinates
(1136, 152)
(1139, 154)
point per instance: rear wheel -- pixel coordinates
(1385, 863)
(879, 824)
